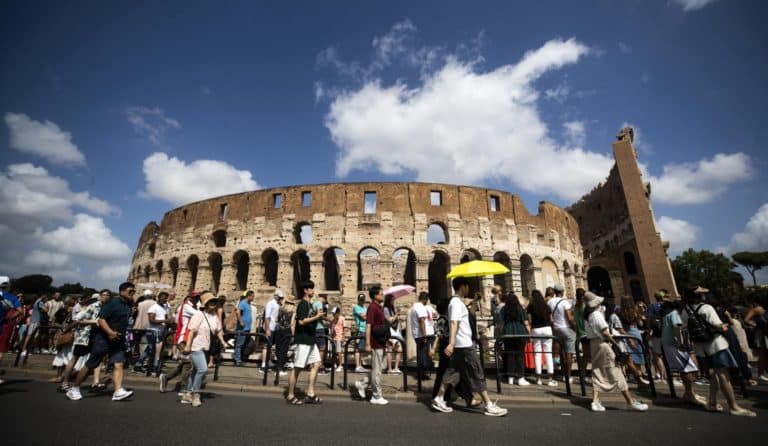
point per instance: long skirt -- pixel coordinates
(606, 376)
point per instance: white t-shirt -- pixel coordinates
(203, 324)
(271, 312)
(188, 310)
(558, 311)
(418, 311)
(160, 312)
(457, 311)
(708, 314)
(595, 325)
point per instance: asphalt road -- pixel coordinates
(33, 413)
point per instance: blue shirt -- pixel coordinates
(318, 307)
(245, 313)
(359, 311)
(10, 300)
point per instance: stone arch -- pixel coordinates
(174, 266)
(629, 263)
(437, 234)
(193, 264)
(159, 268)
(438, 284)
(301, 270)
(404, 267)
(219, 238)
(270, 259)
(151, 248)
(527, 279)
(636, 289)
(302, 233)
(242, 262)
(549, 272)
(333, 259)
(503, 280)
(368, 273)
(599, 282)
(215, 263)
(147, 272)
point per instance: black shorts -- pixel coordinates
(80, 350)
(101, 346)
(465, 366)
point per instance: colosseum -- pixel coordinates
(347, 237)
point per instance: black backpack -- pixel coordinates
(699, 330)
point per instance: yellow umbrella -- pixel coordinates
(477, 268)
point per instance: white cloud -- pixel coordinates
(393, 43)
(113, 272)
(151, 122)
(87, 237)
(754, 237)
(700, 182)
(559, 93)
(575, 133)
(465, 125)
(46, 258)
(179, 182)
(624, 48)
(44, 139)
(680, 234)
(692, 5)
(29, 195)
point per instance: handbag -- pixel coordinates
(64, 338)
(215, 347)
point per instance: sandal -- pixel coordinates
(100, 387)
(64, 387)
(473, 403)
(314, 399)
(294, 401)
(713, 408)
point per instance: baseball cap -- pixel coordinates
(194, 294)
(5, 282)
(279, 293)
(559, 288)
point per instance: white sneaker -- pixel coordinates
(74, 394)
(24, 354)
(396, 372)
(523, 382)
(121, 394)
(339, 369)
(597, 407)
(440, 406)
(380, 401)
(638, 406)
(552, 383)
(538, 381)
(360, 370)
(282, 373)
(186, 397)
(763, 378)
(644, 381)
(492, 410)
(45, 351)
(510, 381)
(163, 383)
(360, 387)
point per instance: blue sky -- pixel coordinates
(110, 110)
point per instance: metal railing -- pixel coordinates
(387, 349)
(501, 352)
(627, 339)
(235, 334)
(328, 351)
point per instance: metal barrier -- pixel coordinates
(428, 341)
(405, 359)
(331, 351)
(137, 335)
(502, 352)
(235, 334)
(32, 336)
(645, 353)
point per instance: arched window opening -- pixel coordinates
(301, 271)
(242, 265)
(404, 267)
(159, 269)
(436, 234)
(174, 265)
(192, 264)
(333, 261)
(439, 286)
(503, 280)
(629, 263)
(215, 263)
(527, 280)
(599, 282)
(368, 273)
(270, 260)
(303, 233)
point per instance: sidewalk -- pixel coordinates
(249, 379)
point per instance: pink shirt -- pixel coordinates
(203, 324)
(338, 329)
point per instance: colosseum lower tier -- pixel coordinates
(347, 237)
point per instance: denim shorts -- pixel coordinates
(361, 344)
(720, 360)
(101, 347)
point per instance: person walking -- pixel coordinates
(423, 332)
(463, 360)
(271, 312)
(187, 309)
(757, 317)
(109, 340)
(359, 312)
(10, 312)
(204, 331)
(516, 322)
(541, 325)
(244, 318)
(630, 317)
(84, 322)
(376, 336)
(562, 324)
(706, 330)
(606, 375)
(307, 354)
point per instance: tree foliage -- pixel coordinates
(33, 283)
(707, 269)
(752, 262)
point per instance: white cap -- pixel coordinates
(279, 293)
(147, 292)
(5, 282)
(95, 296)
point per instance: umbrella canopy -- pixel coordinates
(477, 268)
(400, 290)
(154, 286)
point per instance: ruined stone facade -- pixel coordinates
(622, 246)
(347, 237)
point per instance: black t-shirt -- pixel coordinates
(305, 334)
(116, 313)
(538, 321)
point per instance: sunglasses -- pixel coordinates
(131, 291)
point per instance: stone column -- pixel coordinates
(422, 274)
(385, 273)
(285, 277)
(316, 272)
(256, 275)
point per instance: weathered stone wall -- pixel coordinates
(336, 214)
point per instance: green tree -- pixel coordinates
(33, 283)
(752, 262)
(71, 288)
(705, 268)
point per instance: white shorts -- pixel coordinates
(306, 355)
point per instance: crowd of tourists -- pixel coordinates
(100, 334)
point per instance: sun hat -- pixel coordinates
(592, 300)
(207, 297)
(700, 290)
(559, 288)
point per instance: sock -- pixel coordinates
(439, 399)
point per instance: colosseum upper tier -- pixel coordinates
(347, 237)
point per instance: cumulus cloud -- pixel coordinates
(575, 133)
(702, 181)
(29, 195)
(754, 237)
(43, 139)
(692, 5)
(151, 122)
(437, 129)
(179, 182)
(46, 259)
(624, 48)
(680, 234)
(87, 237)
(113, 272)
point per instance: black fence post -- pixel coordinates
(580, 365)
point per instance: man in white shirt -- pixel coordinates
(271, 311)
(423, 331)
(142, 323)
(563, 323)
(158, 322)
(463, 358)
(711, 349)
